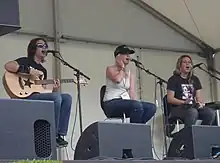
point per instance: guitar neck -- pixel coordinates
(51, 81)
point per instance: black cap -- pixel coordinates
(123, 49)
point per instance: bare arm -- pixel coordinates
(12, 66)
(114, 74)
(199, 96)
(132, 89)
(172, 100)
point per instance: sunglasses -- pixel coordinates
(43, 46)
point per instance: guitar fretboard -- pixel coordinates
(51, 81)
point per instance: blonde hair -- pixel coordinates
(178, 65)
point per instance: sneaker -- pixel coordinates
(61, 142)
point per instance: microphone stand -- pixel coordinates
(77, 74)
(210, 74)
(160, 81)
(212, 69)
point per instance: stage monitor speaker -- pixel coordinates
(103, 140)
(27, 130)
(196, 142)
(9, 16)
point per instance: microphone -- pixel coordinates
(198, 65)
(52, 51)
(136, 62)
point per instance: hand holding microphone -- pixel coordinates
(120, 63)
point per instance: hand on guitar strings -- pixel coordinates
(56, 85)
(35, 74)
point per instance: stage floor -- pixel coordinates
(143, 161)
(114, 161)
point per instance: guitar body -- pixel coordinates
(21, 86)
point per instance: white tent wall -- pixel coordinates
(118, 22)
(100, 21)
(36, 16)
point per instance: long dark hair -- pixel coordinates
(31, 49)
(178, 65)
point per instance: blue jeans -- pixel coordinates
(62, 109)
(139, 112)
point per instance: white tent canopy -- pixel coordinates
(199, 17)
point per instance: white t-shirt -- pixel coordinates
(117, 90)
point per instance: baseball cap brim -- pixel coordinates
(124, 51)
(131, 51)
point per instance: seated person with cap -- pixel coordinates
(120, 97)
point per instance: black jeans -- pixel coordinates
(139, 112)
(190, 115)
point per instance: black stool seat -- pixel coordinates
(102, 94)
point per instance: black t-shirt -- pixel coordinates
(182, 88)
(31, 63)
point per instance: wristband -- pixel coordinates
(24, 69)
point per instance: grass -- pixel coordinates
(37, 161)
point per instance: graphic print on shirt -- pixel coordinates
(187, 92)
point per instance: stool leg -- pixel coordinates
(124, 118)
(177, 125)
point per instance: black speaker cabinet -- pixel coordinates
(27, 130)
(114, 140)
(9, 16)
(196, 142)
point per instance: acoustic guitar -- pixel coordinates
(22, 85)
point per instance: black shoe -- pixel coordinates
(61, 142)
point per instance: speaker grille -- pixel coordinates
(42, 138)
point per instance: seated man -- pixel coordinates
(120, 93)
(32, 64)
(184, 95)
